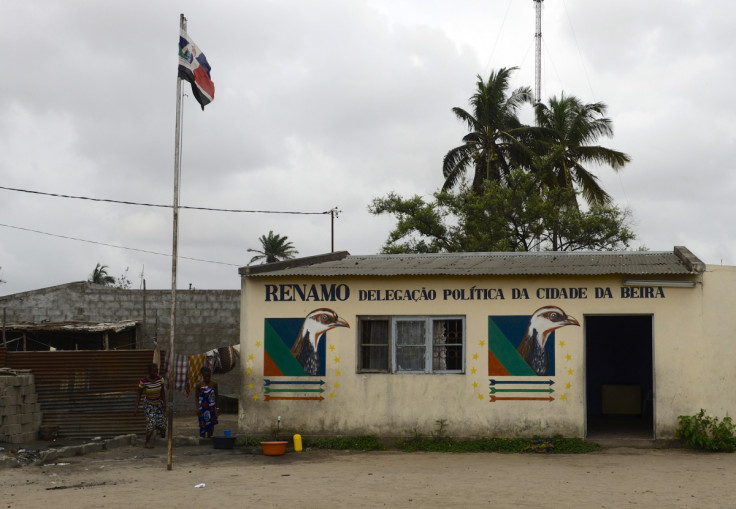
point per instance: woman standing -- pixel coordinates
(154, 403)
(207, 403)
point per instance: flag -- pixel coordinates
(194, 68)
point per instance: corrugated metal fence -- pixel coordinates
(87, 393)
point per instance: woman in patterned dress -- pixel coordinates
(207, 402)
(154, 403)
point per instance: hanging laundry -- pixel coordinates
(195, 367)
(228, 357)
(181, 372)
(212, 359)
(157, 359)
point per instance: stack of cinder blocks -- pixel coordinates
(20, 411)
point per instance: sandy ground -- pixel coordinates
(132, 476)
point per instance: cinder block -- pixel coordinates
(49, 455)
(13, 429)
(118, 441)
(92, 447)
(30, 398)
(26, 418)
(12, 409)
(16, 438)
(11, 419)
(28, 433)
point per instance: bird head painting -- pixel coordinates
(293, 345)
(518, 345)
(313, 329)
(543, 322)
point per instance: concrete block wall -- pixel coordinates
(20, 411)
(205, 319)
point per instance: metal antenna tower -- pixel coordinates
(538, 59)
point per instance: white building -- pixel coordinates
(404, 341)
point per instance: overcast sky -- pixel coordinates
(330, 103)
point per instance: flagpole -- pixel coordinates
(174, 254)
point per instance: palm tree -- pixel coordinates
(492, 143)
(566, 129)
(274, 249)
(100, 276)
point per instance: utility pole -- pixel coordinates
(538, 55)
(333, 214)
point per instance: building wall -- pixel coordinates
(688, 340)
(206, 319)
(716, 383)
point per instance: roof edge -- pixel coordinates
(293, 263)
(692, 262)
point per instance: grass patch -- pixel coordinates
(359, 443)
(247, 442)
(554, 445)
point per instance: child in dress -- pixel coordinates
(207, 402)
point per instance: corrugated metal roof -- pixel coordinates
(72, 326)
(680, 262)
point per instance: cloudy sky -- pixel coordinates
(330, 103)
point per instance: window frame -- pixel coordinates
(392, 346)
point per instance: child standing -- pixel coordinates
(207, 402)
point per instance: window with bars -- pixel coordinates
(411, 344)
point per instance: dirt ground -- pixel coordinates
(132, 476)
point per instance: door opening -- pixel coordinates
(619, 376)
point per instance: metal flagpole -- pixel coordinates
(174, 253)
(538, 53)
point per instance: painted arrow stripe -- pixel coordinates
(292, 382)
(494, 390)
(519, 398)
(293, 398)
(271, 389)
(493, 381)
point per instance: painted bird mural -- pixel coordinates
(543, 322)
(314, 327)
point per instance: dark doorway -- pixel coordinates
(619, 376)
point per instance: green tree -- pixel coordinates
(516, 216)
(273, 249)
(492, 145)
(420, 226)
(100, 276)
(564, 143)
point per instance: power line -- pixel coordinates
(115, 246)
(577, 45)
(163, 206)
(498, 36)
